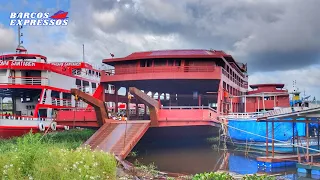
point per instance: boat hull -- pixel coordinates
(13, 128)
(14, 131)
(252, 131)
(281, 148)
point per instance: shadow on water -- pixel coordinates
(186, 150)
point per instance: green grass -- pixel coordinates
(54, 156)
(227, 176)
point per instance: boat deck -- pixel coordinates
(284, 158)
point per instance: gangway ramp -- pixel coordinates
(99, 106)
(118, 137)
(150, 102)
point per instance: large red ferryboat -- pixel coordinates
(196, 82)
(33, 89)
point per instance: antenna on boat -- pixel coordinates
(58, 4)
(20, 48)
(83, 52)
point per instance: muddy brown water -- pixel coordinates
(186, 150)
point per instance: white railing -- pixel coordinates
(28, 80)
(82, 104)
(83, 73)
(288, 110)
(25, 118)
(58, 102)
(252, 115)
(65, 102)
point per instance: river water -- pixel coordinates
(187, 151)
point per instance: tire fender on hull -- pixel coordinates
(41, 127)
(53, 126)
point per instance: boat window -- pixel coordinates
(94, 85)
(142, 63)
(170, 62)
(160, 62)
(89, 71)
(3, 72)
(78, 82)
(149, 62)
(178, 62)
(85, 83)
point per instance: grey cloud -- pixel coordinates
(307, 79)
(282, 28)
(273, 60)
(8, 41)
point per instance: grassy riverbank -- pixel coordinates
(54, 156)
(59, 156)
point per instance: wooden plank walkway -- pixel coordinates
(284, 158)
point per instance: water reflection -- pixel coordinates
(195, 156)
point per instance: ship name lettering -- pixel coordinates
(4, 63)
(21, 63)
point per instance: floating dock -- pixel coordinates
(309, 168)
(283, 160)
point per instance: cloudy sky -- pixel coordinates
(279, 39)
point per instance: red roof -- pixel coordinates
(192, 53)
(254, 86)
(19, 56)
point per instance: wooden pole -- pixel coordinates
(264, 108)
(318, 134)
(272, 139)
(307, 134)
(267, 140)
(231, 109)
(245, 104)
(293, 137)
(258, 103)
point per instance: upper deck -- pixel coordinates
(175, 64)
(34, 69)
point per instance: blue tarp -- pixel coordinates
(282, 130)
(242, 165)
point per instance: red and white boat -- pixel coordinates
(32, 89)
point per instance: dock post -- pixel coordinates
(318, 134)
(267, 140)
(272, 138)
(307, 134)
(293, 137)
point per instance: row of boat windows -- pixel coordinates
(233, 73)
(151, 62)
(85, 83)
(231, 90)
(87, 72)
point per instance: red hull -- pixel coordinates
(7, 132)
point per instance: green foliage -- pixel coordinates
(146, 170)
(133, 154)
(212, 176)
(51, 157)
(256, 177)
(226, 176)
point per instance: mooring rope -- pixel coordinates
(284, 142)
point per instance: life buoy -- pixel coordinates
(41, 127)
(66, 128)
(53, 126)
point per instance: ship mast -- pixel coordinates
(20, 48)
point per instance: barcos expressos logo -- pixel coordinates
(39, 19)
